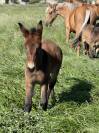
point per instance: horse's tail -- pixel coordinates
(87, 16)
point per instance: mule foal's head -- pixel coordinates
(33, 38)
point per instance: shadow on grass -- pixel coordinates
(79, 92)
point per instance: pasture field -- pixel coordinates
(77, 90)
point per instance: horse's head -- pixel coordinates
(33, 38)
(62, 9)
(51, 14)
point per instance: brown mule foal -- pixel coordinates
(44, 59)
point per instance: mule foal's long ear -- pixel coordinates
(23, 30)
(40, 26)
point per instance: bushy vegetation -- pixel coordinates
(77, 89)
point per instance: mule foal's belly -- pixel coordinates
(40, 77)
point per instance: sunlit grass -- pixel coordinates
(77, 90)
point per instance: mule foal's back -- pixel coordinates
(44, 59)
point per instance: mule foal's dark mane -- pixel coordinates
(42, 60)
(33, 30)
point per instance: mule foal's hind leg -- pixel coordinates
(51, 92)
(51, 89)
(44, 100)
(51, 85)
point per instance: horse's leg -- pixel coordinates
(67, 26)
(78, 45)
(44, 100)
(29, 94)
(78, 49)
(92, 52)
(86, 48)
(67, 34)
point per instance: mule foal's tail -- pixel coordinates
(87, 17)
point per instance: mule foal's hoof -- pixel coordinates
(27, 108)
(44, 106)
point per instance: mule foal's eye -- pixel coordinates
(27, 49)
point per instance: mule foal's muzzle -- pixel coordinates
(31, 65)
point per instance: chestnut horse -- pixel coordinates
(63, 9)
(90, 39)
(44, 59)
(76, 16)
(74, 1)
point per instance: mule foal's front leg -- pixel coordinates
(44, 100)
(28, 98)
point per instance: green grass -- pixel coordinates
(77, 90)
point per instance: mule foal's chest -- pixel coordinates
(35, 76)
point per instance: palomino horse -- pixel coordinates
(90, 39)
(74, 1)
(63, 9)
(76, 16)
(44, 59)
(97, 1)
